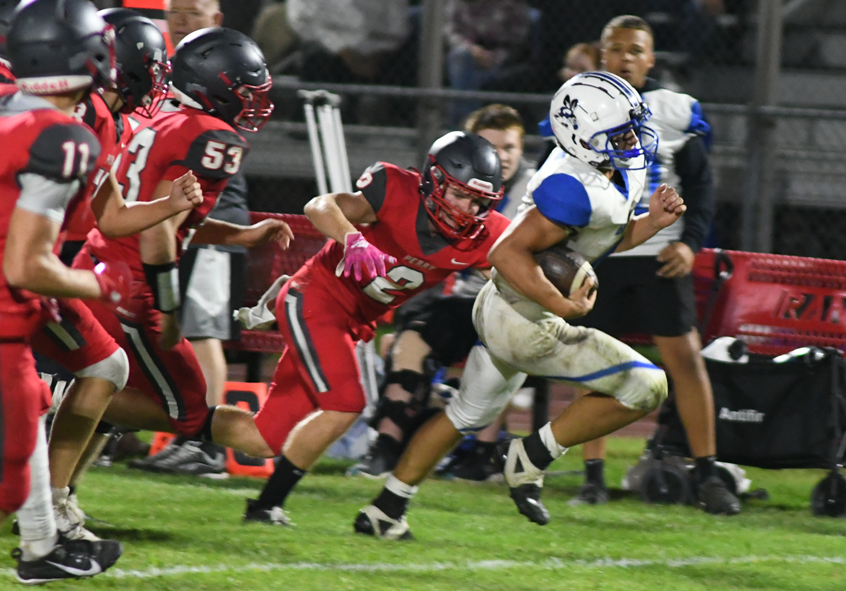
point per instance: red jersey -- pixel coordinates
(165, 148)
(52, 153)
(424, 257)
(114, 132)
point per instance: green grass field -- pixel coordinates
(186, 534)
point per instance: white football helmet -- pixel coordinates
(593, 112)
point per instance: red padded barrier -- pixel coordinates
(265, 264)
(774, 303)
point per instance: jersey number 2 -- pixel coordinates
(398, 278)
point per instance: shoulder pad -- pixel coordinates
(373, 184)
(216, 154)
(63, 152)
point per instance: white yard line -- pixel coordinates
(484, 565)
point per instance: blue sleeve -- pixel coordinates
(564, 200)
(699, 125)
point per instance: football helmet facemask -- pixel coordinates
(141, 57)
(469, 163)
(58, 46)
(223, 73)
(600, 119)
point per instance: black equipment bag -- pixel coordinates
(771, 415)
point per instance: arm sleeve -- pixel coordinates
(697, 189)
(45, 196)
(564, 200)
(373, 184)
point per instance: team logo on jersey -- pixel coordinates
(364, 180)
(565, 114)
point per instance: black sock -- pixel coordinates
(280, 484)
(595, 472)
(705, 468)
(391, 504)
(537, 451)
(212, 449)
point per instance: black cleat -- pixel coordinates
(272, 516)
(381, 458)
(590, 493)
(69, 559)
(527, 497)
(372, 521)
(524, 479)
(716, 498)
(476, 465)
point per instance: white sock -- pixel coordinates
(60, 495)
(400, 488)
(35, 517)
(548, 439)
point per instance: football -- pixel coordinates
(565, 268)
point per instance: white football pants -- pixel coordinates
(520, 337)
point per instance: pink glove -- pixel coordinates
(115, 280)
(358, 252)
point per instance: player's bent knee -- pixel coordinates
(649, 389)
(114, 368)
(467, 422)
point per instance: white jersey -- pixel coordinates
(521, 337)
(676, 118)
(468, 283)
(576, 195)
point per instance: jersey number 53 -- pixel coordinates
(217, 156)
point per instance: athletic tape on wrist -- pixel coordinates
(164, 282)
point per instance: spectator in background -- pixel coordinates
(484, 37)
(649, 289)
(441, 329)
(211, 279)
(347, 41)
(582, 57)
(186, 16)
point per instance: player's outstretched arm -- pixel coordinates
(335, 214)
(513, 257)
(29, 262)
(267, 230)
(117, 218)
(665, 207)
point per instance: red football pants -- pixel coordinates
(317, 370)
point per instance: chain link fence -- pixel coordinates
(707, 48)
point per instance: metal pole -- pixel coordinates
(316, 154)
(431, 59)
(758, 210)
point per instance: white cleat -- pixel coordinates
(372, 521)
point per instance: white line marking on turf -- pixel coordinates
(486, 565)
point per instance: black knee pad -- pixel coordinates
(411, 381)
(400, 412)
